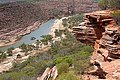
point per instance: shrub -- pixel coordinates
(14, 76)
(67, 76)
(46, 39)
(3, 55)
(40, 66)
(87, 49)
(9, 50)
(29, 70)
(75, 20)
(17, 66)
(66, 59)
(80, 66)
(64, 22)
(23, 47)
(62, 67)
(58, 33)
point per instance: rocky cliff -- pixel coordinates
(99, 31)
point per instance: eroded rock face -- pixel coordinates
(99, 30)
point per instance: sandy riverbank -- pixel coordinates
(57, 25)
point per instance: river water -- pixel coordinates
(43, 29)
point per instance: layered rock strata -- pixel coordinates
(99, 30)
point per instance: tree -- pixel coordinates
(30, 47)
(58, 33)
(64, 23)
(46, 39)
(9, 51)
(3, 56)
(23, 47)
(37, 44)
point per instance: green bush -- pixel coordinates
(23, 47)
(67, 76)
(3, 55)
(80, 66)
(65, 22)
(66, 59)
(40, 66)
(17, 66)
(46, 39)
(9, 50)
(14, 76)
(62, 67)
(58, 33)
(87, 49)
(29, 70)
(73, 20)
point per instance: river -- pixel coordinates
(43, 29)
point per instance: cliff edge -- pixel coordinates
(99, 30)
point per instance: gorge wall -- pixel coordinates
(99, 31)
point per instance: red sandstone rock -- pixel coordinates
(100, 32)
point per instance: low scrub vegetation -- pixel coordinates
(69, 56)
(64, 54)
(73, 20)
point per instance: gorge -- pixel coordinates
(18, 18)
(59, 40)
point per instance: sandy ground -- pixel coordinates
(57, 25)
